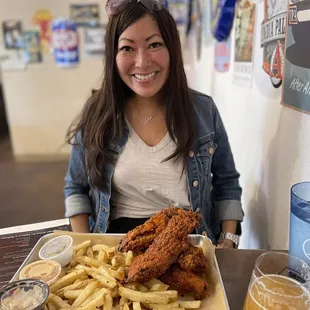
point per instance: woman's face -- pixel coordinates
(143, 59)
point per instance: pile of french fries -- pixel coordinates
(93, 281)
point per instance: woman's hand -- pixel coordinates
(226, 244)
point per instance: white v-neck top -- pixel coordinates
(142, 184)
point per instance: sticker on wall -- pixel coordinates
(12, 34)
(94, 41)
(273, 39)
(43, 18)
(65, 42)
(85, 15)
(32, 47)
(243, 65)
(296, 92)
(222, 56)
(11, 60)
(178, 9)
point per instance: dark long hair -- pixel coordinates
(102, 119)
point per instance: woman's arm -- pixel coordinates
(77, 200)
(226, 191)
(79, 223)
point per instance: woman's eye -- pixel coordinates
(125, 49)
(156, 45)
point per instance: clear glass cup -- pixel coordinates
(279, 281)
(300, 221)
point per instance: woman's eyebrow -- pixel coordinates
(147, 39)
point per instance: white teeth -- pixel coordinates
(145, 77)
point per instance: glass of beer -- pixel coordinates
(279, 281)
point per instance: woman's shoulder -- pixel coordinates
(202, 102)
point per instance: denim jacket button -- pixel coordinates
(195, 183)
(191, 154)
(211, 150)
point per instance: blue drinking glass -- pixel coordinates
(300, 221)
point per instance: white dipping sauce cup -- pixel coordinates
(59, 249)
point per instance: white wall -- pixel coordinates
(42, 101)
(271, 144)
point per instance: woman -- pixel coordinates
(145, 141)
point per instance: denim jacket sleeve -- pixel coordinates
(77, 188)
(226, 191)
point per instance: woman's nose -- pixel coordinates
(143, 59)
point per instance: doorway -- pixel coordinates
(4, 129)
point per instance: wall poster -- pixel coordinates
(65, 42)
(43, 19)
(243, 65)
(12, 34)
(296, 90)
(85, 15)
(32, 47)
(273, 39)
(94, 41)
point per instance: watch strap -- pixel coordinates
(231, 237)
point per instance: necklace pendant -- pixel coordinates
(147, 119)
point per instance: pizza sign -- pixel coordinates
(273, 34)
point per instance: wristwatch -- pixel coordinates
(229, 236)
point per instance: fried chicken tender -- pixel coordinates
(165, 249)
(186, 282)
(140, 238)
(193, 259)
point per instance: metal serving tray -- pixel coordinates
(203, 241)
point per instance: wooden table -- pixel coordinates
(236, 267)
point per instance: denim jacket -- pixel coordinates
(213, 181)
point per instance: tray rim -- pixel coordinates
(47, 237)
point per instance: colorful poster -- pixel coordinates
(32, 47)
(243, 66)
(273, 39)
(296, 90)
(94, 40)
(43, 19)
(178, 9)
(85, 15)
(11, 60)
(65, 42)
(12, 34)
(222, 56)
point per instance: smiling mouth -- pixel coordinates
(145, 77)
